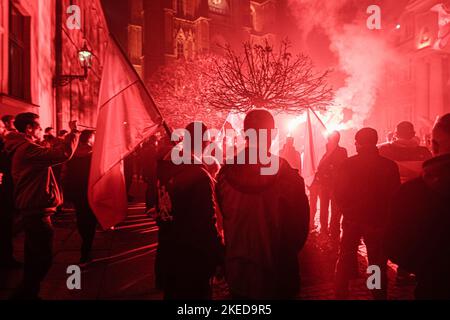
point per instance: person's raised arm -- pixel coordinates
(57, 154)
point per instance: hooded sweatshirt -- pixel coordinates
(418, 236)
(265, 220)
(35, 188)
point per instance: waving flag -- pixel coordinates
(315, 146)
(127, 115)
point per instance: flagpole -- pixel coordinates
(311, 143)
(164, 123)
(317, 116)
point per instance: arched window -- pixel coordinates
(180, 49)
(253, 17)
(190, 49)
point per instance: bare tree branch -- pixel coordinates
(178, 89)
(261, 77)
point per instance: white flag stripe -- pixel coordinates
(127, 116)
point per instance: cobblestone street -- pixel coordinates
(124, 259)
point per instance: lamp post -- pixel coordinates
(85, 60)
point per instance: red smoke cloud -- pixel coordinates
(362, 54)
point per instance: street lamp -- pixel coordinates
(85, 58)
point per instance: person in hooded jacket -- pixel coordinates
(36, 195)
(418, 230)
(265, 219)
(75, 180)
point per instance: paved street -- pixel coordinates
(122, 267)
(124, 258)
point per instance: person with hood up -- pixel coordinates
(265, 219)
(36, 194)
(418, 233)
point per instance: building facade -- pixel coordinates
(420, 90)
(27, 58)
(40, 66)
(184, 29)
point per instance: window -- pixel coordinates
(19, 55)
(190, 49)
(180, 49)
(218, 6)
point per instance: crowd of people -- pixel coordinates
(235, 222)
(33, 169)
(392, 196)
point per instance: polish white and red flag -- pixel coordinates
(315, 145)
(127, 115)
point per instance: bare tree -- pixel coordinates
(261, 77)
(178, 89)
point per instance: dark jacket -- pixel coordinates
(328, 167)
(75, 174)
(6, 186)
(418, 236)
(364, 186)
(405, 150)
(35, 187)
(189, 242)
(408, 155)
(292, 156)
(266, 222)
(148, 158)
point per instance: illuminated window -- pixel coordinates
(19, 54)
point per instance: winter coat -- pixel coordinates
(364, 186)
(292, 156)
(189, 242)
(6, 185)
(418, 236)
(76, 173)
(328, 167)
(35, 188)
(265, 221)
(408, 155)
